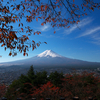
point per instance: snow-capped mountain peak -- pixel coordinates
(48, 53)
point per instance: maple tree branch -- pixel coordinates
(53, 7)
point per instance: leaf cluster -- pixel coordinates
(59, 13)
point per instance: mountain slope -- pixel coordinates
(50, 58)
(48, 53)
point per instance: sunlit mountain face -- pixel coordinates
(50, 58)
(49, 53)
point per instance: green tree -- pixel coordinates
(56, 78)
(24, 79)
(12, 91)
(41, 78)
(31, 74)
(21, 86)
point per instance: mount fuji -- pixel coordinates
(50, 58)
(48, 53)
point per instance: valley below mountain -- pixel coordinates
(11, 73)
(48, 61)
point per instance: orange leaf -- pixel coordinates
(5, 48)
(56, 2)
(68, 26)
(11, 6)
(46, 7)
(84, 9)
(34, 33)
(27, 38)
(73, 0)
(33, 48)
(38, 33)
(24, 35)
(36, 19)
(41, 7)
(2, 45)
(38, 44)
(22, 24)
(85, 5)
(10, 54)
(26, 31)
(42, 24)
(22, 29)
(24, 53)
(33, 41)
(58, 6)
(54, 32)
(39, 17)
(45, 42)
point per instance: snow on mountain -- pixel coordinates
(48, 53)
(50, 58)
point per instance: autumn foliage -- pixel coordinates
(83, 86)
(3, 89)
(39, 86)
(17, 39)
(47, 90)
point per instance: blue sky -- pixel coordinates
(81, 41)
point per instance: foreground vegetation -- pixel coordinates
(41, 86)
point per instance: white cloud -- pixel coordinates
(93, 33)
(43, 28)
(89, 32)
(96, 39)
(96, 42)
(96, 36)
(47, 36)
(82, 23)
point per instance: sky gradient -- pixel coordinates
(81, 41)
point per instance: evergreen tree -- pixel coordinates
(55, 78)
(21, 86)
(41, 78)
(24, 79)
(31, 73)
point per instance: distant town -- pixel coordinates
(9, 74)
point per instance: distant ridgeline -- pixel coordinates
(49, 58)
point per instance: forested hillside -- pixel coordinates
(39, 85)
